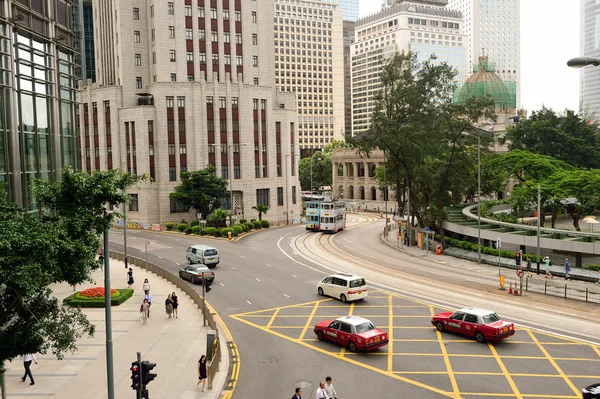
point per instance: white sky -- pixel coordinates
(549, 38)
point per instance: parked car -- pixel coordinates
(193, 273)
(203, 254)
(591, 391)
(356, 333)
(345, 287)
(478, 323)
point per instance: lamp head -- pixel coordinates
(580, 62)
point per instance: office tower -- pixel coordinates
(83, 32)
(350, 9)
(37, 95)
(348, 40)
(589, 78)
(181, 85)
(416, 26)
(309, 56)
(493, 28)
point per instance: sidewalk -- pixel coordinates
(175, 346)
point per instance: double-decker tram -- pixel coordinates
(332, 216)
(313, 215)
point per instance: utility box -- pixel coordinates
(212, 341)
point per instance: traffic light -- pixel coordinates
(208, 283)
(147, 376)
(135, 376)
(518, 258)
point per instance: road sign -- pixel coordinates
(426, 228)
(227, 218)
(199, 216)
(520, 273)
(498, 242)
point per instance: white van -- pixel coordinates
(345, 287)
(204, 254)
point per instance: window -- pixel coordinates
(234, 102)
(236, 172)
(138, 82)
(213, 13)
(136, 13)
(188, 10)
(224, 172)
(170, 102)
(201, 34)
(293, 194)
(138, 60)
(171, 149)
(209, 101)
(170, 8)
(238, 16)
(154, 57)
(200, 12)
(215, 59)
(255, 81)
(239, 60)
(171, 32)
(152, 11)
(133, 204)
(253, 17)
(280, 196)
(182, 149)
(202, 58)
(214, 36)
(255, 60)
(136, 36)
(180, 101)
(189, 56)
(225, 14)
(262, 196)
(172, 55)
(178, 207)
(227, 37)
(173, 77)
(254, 39)
(189, 34)
(227, 59)
(238, 38)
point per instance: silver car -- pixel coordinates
(193, 273)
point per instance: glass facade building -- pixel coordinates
(589, 100)
(349, 9)
(37, 94)
(83, 33)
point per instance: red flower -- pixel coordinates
(96, 292)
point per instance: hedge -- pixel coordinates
(242, 220)
(195, 223)
(196, 229)
(120, 296)
(202, 232)
(182, 227)
(210, 231)
(249, 226)
(256, 224)
(217, 232)
(169, 226)
(594, 267)
(189, 230)
(237, 229)
(453, 242)
(252, 220)
(264, 224)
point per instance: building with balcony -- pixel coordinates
(181, 85)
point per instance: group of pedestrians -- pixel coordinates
(171, 303)
(325, 390)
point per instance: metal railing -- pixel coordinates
(564, 290)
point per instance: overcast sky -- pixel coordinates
(549, 37)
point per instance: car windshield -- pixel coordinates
(357, 283)
(210, 252)
(364, 327)
(490, 318)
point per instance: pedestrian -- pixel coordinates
(148, 297)
(175, 305)
(298, 394)
(202, 372)
(169, 305)
(329, 389)
(321, 393)
(27, 359)
(146, 285)
(567, 269)
(145, 310)
(130, 278)
(547, 262)
(528, 259)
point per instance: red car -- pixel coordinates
(357, 333)
(479, 323)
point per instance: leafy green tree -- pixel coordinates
(201, 190)
(37, 251)
(321, 170)
(260, 208)
(525, 165)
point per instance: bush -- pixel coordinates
(256, 224)
(189, 230)
(118, 297)
(217, 233)
(264, 224)
(252, 220)
(594, 267)
(453, 242)
(210, 231)
(225, 232)
(196, 229)
(237, 229)
(182, 227)
(249, 226)
(195, 223)
(169, 226)
(202, 232)
(242, 220)
(184, 221)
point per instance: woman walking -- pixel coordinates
(547, 262)
(146, 285)
(144, 310)
(202, 372)
(130, 278)
(169, 306)
(175, 305)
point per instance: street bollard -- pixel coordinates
(229, 235)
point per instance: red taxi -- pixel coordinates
(356, 333)
(478, 323)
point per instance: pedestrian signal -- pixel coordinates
(518, 258)
(135, 376)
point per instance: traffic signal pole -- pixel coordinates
(203, 302)
(139, 358)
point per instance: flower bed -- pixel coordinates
(96, 292)
(94, 297)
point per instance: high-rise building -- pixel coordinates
(309, 56)
(181, 85)
(416, 26)
(493, 28)
(37, 95)
(589, 78)
(83, 32)
(348, 40)
(350, 9)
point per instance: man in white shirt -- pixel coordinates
(27, 359)
(329, 389)
(321, 394)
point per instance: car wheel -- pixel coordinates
(352, 346)
(189, 261)
(320, 336)
(320, 291)
(439, 326)
(193, 280)
(479, 337)
(343, 298)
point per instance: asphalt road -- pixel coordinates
(280, 267)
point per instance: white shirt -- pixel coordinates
(29, 357)
(146, 287)
(321, 394)
(331, 393)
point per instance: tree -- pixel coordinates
(321, 169)
(37, 251)
(201, 190)
(260, 208)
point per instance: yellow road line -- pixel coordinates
(350, 311)
(478, 394)
(554, 364)
(505, 372)
(596, 349)
(390, 336)
(305, 304)
(309, 321)
(273, 318)
(446, 358)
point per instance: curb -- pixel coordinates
(212, 238)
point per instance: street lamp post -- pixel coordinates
(479, 198)
(287, 208)
(311, 174)
(125, 205)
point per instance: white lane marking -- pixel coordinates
(160, 257)
(286, 235)
(257, 279)
(222, 284)
(286, 295)
(268, 265)
(249, 303)
(233, 268)
(241, 256)
(345, 239)
(178, 264)
(286, 254)
(294, 276)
